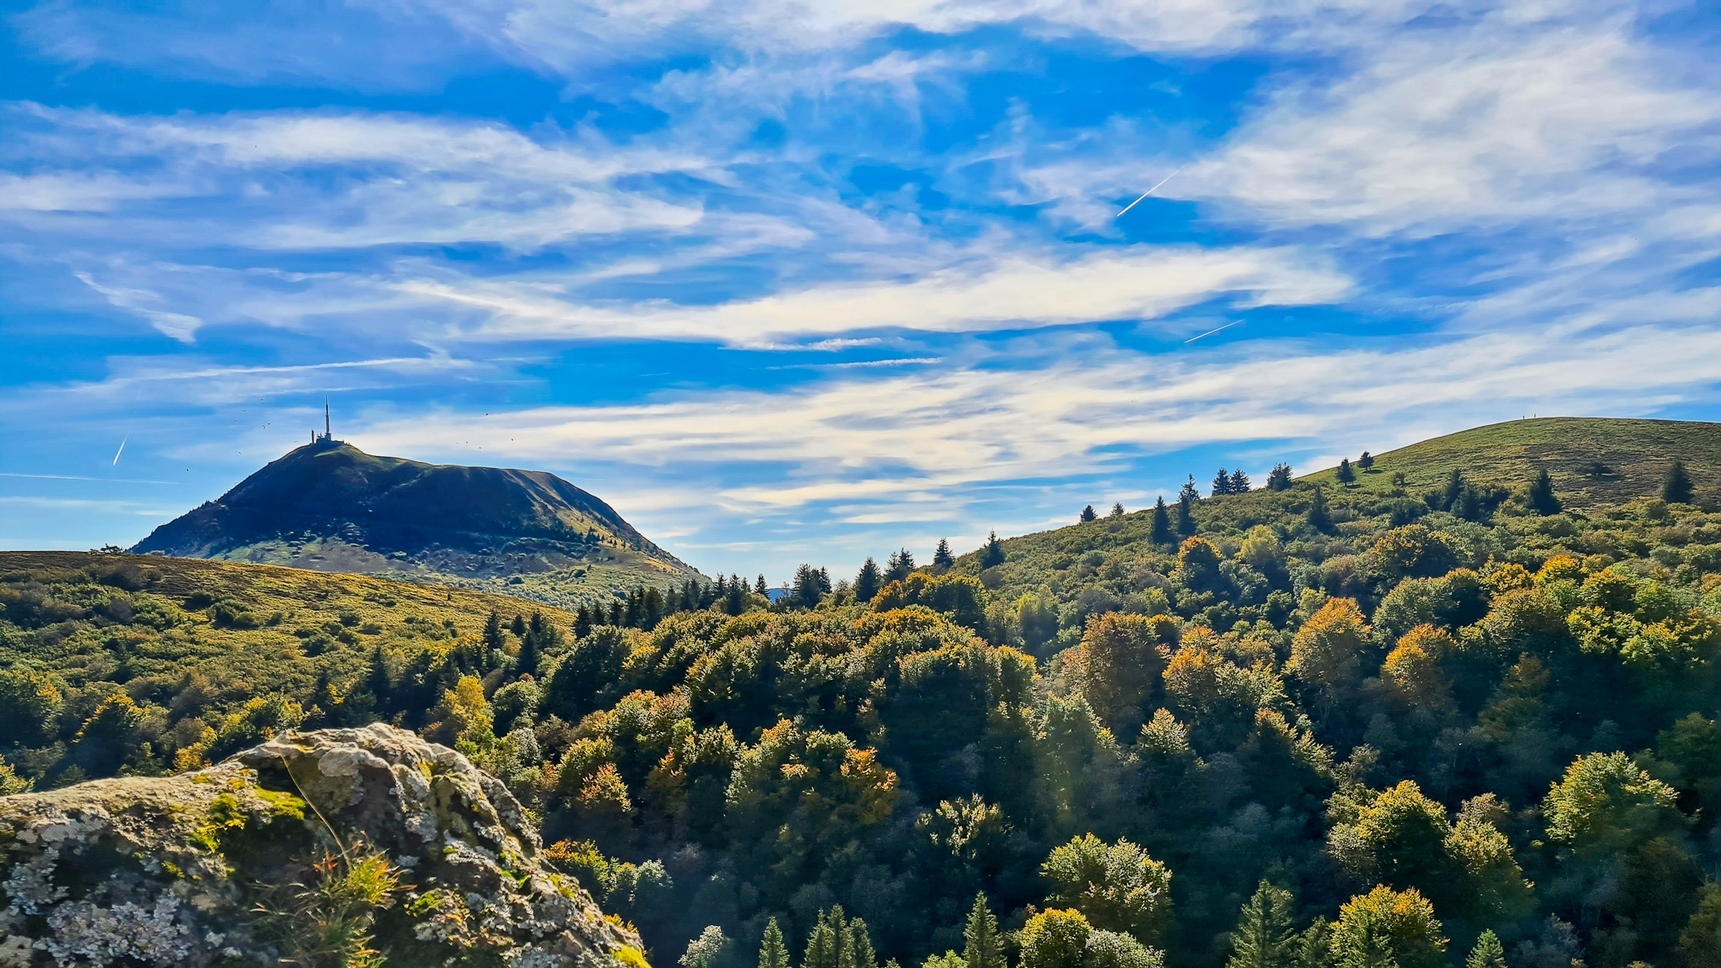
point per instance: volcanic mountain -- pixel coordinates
(329, 506)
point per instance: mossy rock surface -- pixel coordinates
(175, 870)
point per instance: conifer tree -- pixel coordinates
(1346, 474)
(942, 558)
(759, 586)
(1117, 510)
(526, 664)
(867, 582)
(1319, 519)
(1488, 952)
(983, 948)
(493, 632)
(1542, 498)
(1264, 937)
(1280, 478)
(377, 680)
(518, 626)
(1239, 482)
(582, 623)
(1365, 462)
(1454, 492)
(992, 555)
(1676, 487)
(859, 943)
(831, 945)
(1221, 483)
(1185, 516)
(1162, 533)
(1088, 514)
(773, 953)
(900, 566)
(1189, 492)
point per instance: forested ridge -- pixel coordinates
(1335, 725)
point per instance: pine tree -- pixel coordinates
(1264, 937)
(1366, 461)
(615, 616)
(1319, 519)
(1185, 516)
(859, 942)
(983, 948)
(1239, 482)
(807, 587)
(1088, 514)
(493, 631)
(518, 626)
(759, 586)
(1676, 487)
(1454, 491)
(1162, 533)
(900, 566)
(992, 554)
(582, 623)
(1189, 492)
(1280, 478)
(1117, 510)
(377, 680)
(1542, 498)
(824, 945)
(942, 558)
(526, 664)
(1488, 952)
(1221, 483)
(773, 952)
(1347, 476)
(867, 582)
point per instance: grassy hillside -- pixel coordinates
(237, 649)
(1633, 455)
(1084, 569)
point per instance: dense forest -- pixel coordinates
(1325, 724)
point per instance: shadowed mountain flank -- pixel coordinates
(329, 506)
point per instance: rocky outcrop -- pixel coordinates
(337, 847)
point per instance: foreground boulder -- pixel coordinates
(336, 847)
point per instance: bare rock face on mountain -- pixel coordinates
(337, 847)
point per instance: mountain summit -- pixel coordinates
(329, 506)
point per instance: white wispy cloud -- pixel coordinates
(1480, 125)
(1083, 411)
(1015, 291)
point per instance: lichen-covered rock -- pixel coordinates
(264, 857)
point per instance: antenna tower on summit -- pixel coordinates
(327, 437)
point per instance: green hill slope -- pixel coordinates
(333, 507)
(1084, 569)
(1593, 460)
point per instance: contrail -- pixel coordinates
(117, 453)
(1150, 191)
(1237, 322)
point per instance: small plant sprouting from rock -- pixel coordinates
(327, 924)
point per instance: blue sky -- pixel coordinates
(791, 281)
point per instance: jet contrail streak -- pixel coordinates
(117, 453)
(1210, 332)
(1150, 191)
